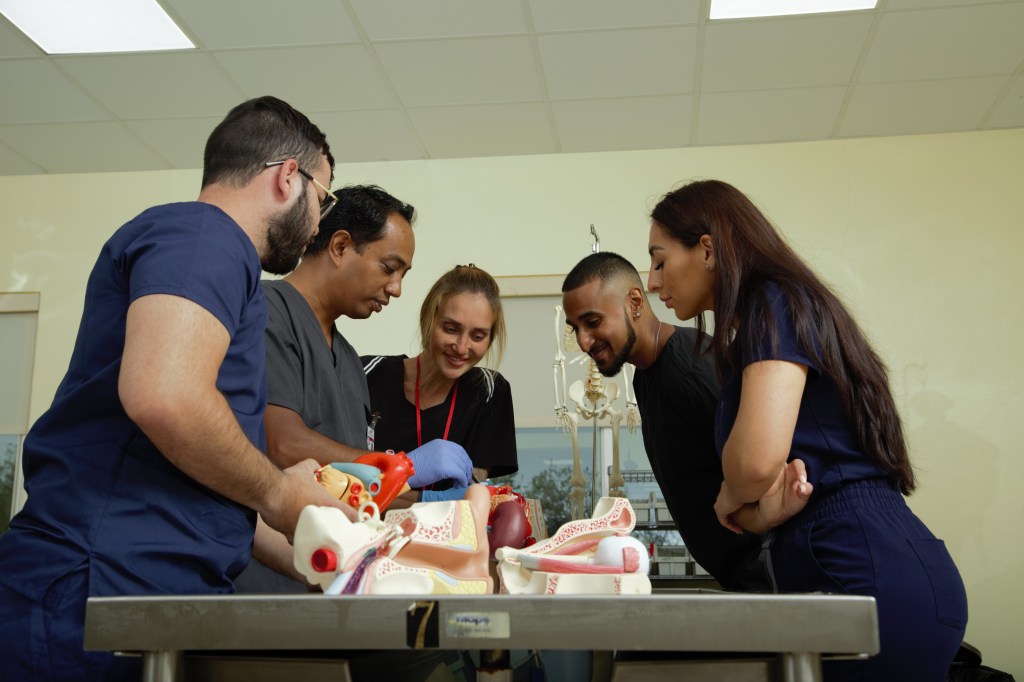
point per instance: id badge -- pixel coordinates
(371, 424)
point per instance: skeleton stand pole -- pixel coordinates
(615, 481)
(594, 471)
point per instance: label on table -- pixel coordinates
(476, 625)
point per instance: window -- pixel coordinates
(9, 446)
(545, 467)
(18, 316)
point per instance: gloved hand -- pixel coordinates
(439, 460)
(443, 495)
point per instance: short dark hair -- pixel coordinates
(362, 211)
(604, 266)
(257, 131)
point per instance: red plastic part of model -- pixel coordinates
(396, 469)
(324, 560)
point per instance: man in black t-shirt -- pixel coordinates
(677, 394)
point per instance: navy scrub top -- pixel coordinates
(99, 492)
(823, 438)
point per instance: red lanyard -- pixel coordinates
(419, 420)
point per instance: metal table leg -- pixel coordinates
(161, 666)
(801, 667)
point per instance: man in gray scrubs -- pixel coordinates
(317, 402)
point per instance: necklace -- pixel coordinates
(419, 419)
(657, 338)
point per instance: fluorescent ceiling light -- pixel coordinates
(80, 26)
(743, 9)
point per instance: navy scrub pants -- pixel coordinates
(862, 539)
(41, 636)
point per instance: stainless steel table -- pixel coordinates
(798, 628)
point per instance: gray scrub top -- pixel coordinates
(325, 386)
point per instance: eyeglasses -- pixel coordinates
(329, 200)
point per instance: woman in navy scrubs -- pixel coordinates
(800, 380)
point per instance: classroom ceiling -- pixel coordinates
(431, 79)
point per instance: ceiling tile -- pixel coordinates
(14, 43)
(81, 147)
(630, 123)
(352, 65)
(162, 85)
(946, 43)
(368, 136)
(486, 130)
(572, 15)
(768, 115)
(656, 61)
(310, 78)
(243, 23)
(463, 71)
(34, 91)
(1010, 113)
(783, 53)
(396, 19)
(178, 140)
(13, 163)
(922, 107)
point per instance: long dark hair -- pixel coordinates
(749, 252)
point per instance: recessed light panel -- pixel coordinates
(87, 26)
(743, 9)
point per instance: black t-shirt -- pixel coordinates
(677, 397)
(482, 423)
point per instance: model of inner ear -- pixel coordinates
(376, 476)
(587, 556)
(429, 548)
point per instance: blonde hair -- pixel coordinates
(465, 279)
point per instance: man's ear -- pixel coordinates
(341, 241)
(636, 300)
(287, 174)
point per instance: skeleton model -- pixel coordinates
(593, 399)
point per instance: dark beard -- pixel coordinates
(287, 237)
(620, 358)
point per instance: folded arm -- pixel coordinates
(787, 496)
(755, 454)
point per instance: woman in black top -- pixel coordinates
(442, 393)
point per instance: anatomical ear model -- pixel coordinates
(508, 524)
(377, 476)
(429, 548)
(586, 556)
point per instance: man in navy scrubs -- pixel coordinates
(146, 474)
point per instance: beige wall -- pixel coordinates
(922, 236)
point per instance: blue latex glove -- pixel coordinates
(443, 495)
(439, 460)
